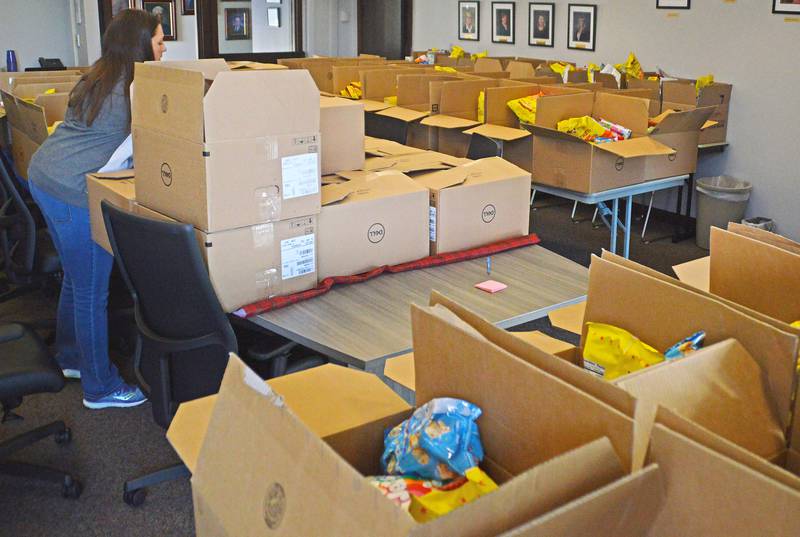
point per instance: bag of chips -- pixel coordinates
(525, 108)
(703, 82)
(686, 346)
(352, 91)
(586, 128)
(457, 52)
(441, 500)
(612, 352)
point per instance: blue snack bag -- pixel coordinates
(686, 346)
(439, 441)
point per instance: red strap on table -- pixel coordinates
(426, 262)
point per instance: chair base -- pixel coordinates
(134, 491)
(70, 487)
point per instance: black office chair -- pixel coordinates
(30, 260)
(184, 334)
(26, 368)
(482, 147)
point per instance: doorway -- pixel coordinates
(384, 28)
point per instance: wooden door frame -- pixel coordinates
(208, 36)
(406, 25)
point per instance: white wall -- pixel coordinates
(35, 28)
(742, 43)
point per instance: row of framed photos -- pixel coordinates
(581, 26)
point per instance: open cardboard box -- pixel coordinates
(503, 126)
(381, 219)
(321, 69)
(252, 263)
(194, 138)
(119, 189)
(9, 79)
(412, 164)
(681, 131)
(477, 203)
(454, 109)
(341, 125)
(681, 95)
(402, 122)
(378, 82)
(569, 162)
(546, 443)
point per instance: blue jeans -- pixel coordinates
(82, 322)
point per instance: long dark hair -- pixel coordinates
(127, 40)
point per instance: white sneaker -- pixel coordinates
(71, 373)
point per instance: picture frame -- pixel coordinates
(274, 1)
(274, 17)
(164, 9)
(582, 27)
(786, 7)
(469, 15)
(187, 7)
(238, 24)
(541, 19)
(673, 4)
(503, 22)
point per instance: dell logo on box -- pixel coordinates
(488, 213)
(376, 233)
(619, 164)
(164, 104)
(166, 174)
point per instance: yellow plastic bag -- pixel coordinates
(631, 67)
(440, 502)
(524, 108)
(590, 69)
(352, 91)
(586, 128)
(612, 352)
(52, 128)
(703, 82)
(391, 100)
(558, 68)
(483, 54)
(445, 69)
(482, 107)
(457, 52)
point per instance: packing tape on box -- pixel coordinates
(268, 281)
(268, 203)
(263, 235)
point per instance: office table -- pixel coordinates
(614, 195)
(363, 324)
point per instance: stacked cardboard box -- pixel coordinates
(247, 177)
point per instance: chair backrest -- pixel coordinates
(17, 228)
(483, 147)
(185, 336)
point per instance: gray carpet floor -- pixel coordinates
(111, 446)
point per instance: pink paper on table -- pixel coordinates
(491, 286)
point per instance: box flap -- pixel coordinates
(379, 147)
(764, 236)
(374, 106)
(546, 343)
(401, 370)
(448, 122)
(636, 147)
(720, 388)
(210, 67)
(679, 91)
(32, 121)
(630, 112)
(415, 162)
(488, 65)
(121, 174)
(497, 111)
(187, 431)
(55, 106)
(403, 114)
(688, 121)
(560, 107)
(569, 318)
(479, 171)
(414, 89)
(371, 186)
(498, 132)
(695, 273)
(519, 69)
(289, 104)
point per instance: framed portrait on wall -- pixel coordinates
(582, 27)
(468, 21)
(237, 23)
(187, 7)
(164, 10)
(786, 6)
(673, 4)
(503, 20)
(540, 24)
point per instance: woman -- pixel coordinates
(96, 123)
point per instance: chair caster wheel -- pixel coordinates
(71, 488)
(64, 437)
(134, 498)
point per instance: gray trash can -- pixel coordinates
(720, 200)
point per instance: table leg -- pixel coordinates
(628, 213)
(615, 219)
(684, 229)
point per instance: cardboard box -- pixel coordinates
(681, 131)
(253, 263)
(377, 147)
(342, 130)
(367, 223)
(255, 66)
(321, 69)
(478, 203)
(8, 79)
(119, 189)
(412, 164)
(681, 95)
(209, 154)
(503, 126)
(568, 162)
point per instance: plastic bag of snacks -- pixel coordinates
(562, 69)
(586, 128)
(686, 346)
(441, 69)
(483, 54)
(631, 67)
(439, 441)
(441, 500)
(352, 91)
(612, 352)
(457, 52)
(525, 108)
(703, 82)
(391, 100)
(590, 70)
(482, 107)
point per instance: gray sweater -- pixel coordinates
(60, 165)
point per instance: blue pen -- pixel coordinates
(489, 266)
